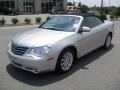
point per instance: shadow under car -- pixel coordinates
(50, 77)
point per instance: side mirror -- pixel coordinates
(85, 29)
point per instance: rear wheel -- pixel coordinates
(107, 44)
(65, 60)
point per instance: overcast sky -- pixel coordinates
(98, 2)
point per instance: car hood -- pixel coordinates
(40, 37)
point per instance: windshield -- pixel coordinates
(62, 23)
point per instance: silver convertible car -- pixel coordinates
(58, 42)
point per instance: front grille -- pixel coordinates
(18, 50)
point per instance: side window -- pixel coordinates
(91, 21)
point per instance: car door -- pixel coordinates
(88, 41)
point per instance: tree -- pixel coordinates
(118, 11)
(69, 4)
(84, 8)
(112, 9)
(79, 4)
(105, 10)
(73, 3)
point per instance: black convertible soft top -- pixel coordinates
(87, 15)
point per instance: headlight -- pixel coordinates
(39, 51)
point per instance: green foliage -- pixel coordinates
(105, 10)
(14, 20)
(48, 18)
(118, 11)
(38, 19)
(84, 8)
(115, 10)
(2, 21)
(73, 3)
(69, 4)
(79, 4)
(27, 20)
(112, 17)
(116, 17)
(104, 16)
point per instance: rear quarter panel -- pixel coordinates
(106, 28)
(110, 26)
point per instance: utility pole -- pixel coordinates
(101, 5)
(109, 5)
(109, 2)
(73, 3)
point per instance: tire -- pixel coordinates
(107, 44)
(65, 60)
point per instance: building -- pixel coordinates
(73, 8)
(33, 6)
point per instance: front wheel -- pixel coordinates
(65, 61)
(107, 44)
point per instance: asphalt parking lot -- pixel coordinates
(99, 70)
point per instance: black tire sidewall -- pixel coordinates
(58, 65)
(105, 46)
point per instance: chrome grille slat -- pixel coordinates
(17, 53)
(14, 49)
(18, 47)
(18, 50)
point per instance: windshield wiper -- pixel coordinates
(51, 28)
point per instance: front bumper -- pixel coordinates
(34, 65)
